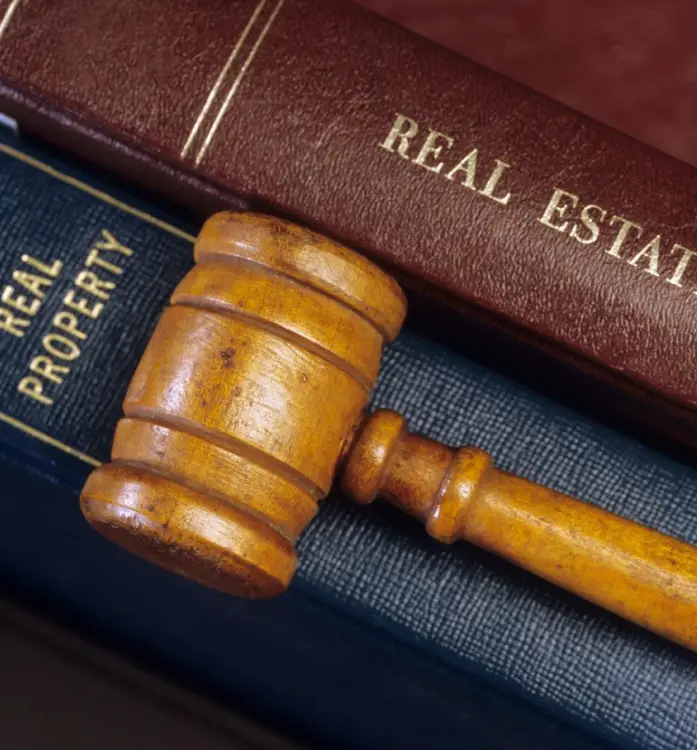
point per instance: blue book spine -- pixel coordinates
(385, 639)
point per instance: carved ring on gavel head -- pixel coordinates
(251, 396)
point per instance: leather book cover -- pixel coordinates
(473, 189)
(386, 638)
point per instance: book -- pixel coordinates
(385, 639)
(472, 189)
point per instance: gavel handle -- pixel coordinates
(635, 572)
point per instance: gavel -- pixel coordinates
(251, 397)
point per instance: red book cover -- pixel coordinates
(472, 188)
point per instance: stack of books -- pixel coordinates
(529, 238)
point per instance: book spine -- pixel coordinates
(94, 265)
(468, 186)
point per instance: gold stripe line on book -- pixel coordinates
(44, 438)
(236, 83)
(105, 197)
(221, 78)
(11, 8)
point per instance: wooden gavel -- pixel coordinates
(251, 396)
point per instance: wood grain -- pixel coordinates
(635, 572)
(242, 403)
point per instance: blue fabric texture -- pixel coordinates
(487, 615)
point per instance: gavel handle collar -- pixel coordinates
(638, 573)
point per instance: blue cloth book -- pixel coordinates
(385, 639)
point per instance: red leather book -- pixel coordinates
(474, 189)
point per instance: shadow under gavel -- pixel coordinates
(251, 396)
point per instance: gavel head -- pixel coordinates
(249, 391)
